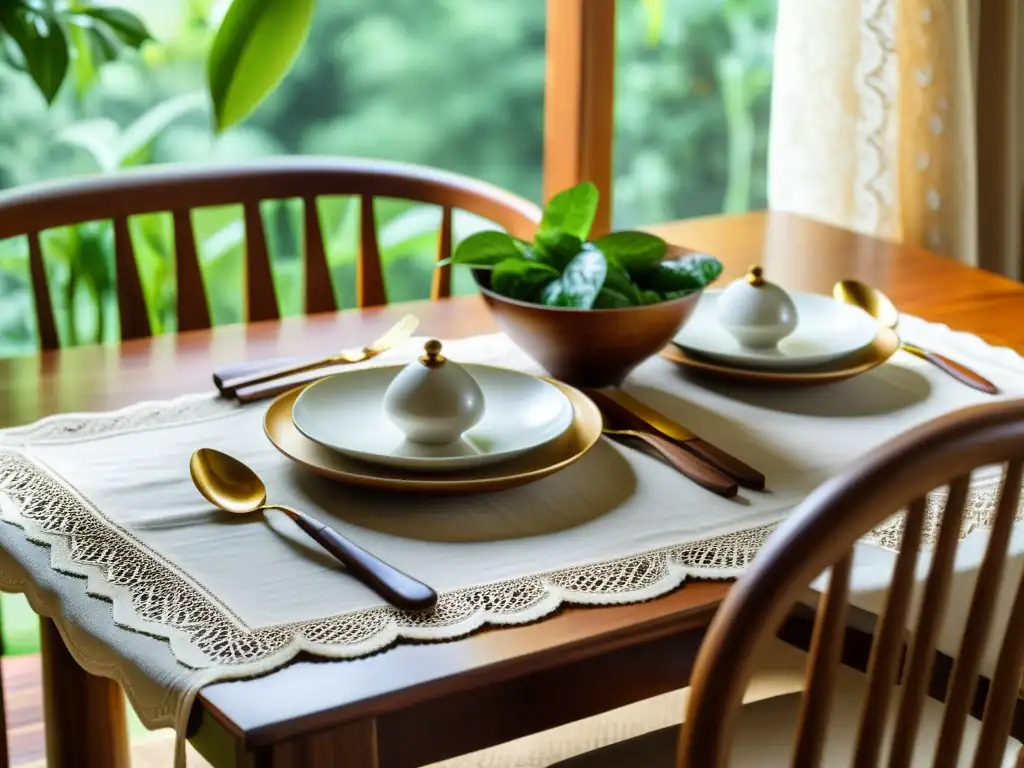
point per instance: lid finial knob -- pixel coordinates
(433, 357)
(755, 276)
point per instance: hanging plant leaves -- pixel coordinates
(256, 45)
(42, 43)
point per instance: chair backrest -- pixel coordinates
(179, 189)
(821, 535)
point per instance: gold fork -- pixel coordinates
(398, 333)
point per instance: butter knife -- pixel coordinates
(625, 409)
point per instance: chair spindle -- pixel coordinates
(441, 285)
(886, 651)
(131, 301)
(825, 654)
(1004, 690)
(193, 310)
(259, 281)
(319, 289)
(369, 275)
(933, 610)
(45, 323)
(979, 618)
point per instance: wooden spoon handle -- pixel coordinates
(686, 463)
(961, 373)
(728, 464)
(397, 588)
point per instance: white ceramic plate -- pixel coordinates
(826, 330)
(345, 412)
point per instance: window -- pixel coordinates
(456, 84)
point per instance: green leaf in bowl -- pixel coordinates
(580, 283)
(571, 211)
(484, 250)
(682, 276)
(633, 251)
(609, 298)
(521, 279)
(556, 248)
(619, 282)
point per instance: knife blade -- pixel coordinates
(625, 409)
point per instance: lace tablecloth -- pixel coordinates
(171, 595)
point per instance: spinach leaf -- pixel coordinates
(552, 295)
(651, 297)
(484, 250)
(556, 248)
(618, 280)
(571, 211)
(580, 282)
(682, 276)
(633, 251)
(521, 279)
(609, 298)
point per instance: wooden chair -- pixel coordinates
(180, 189)
(883, 717)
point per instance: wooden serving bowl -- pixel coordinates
(587, 347)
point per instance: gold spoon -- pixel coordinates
(878, 305)
(230, 485)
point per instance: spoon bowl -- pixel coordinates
(230, 485)
(871, 300)
(226, 482)
(878, 305)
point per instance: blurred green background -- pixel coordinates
(457, 84)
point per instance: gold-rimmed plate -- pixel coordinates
(879, 351)
(564, 450)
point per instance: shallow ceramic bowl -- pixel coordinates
(587, 347)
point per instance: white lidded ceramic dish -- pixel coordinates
(757, 313)
(827, 330)
(433, 399)
(345, 413)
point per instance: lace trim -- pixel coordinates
(875, 188)
(162, 595)
(979, 513)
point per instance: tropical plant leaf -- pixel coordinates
(126, 26)
(571, 211)
(634, 251)
(43, 46)
(655, 10)
(485, 250)
(99, 137)
(521, 279)
(256, 45)
(139, 136)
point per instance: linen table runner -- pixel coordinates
(109, 495)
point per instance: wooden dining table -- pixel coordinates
(415, 704)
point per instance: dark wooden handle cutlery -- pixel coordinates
(704, 463)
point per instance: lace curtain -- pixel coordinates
(874, 115)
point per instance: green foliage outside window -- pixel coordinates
(456, 84)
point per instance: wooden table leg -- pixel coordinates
(84, 714)
(353, 745)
